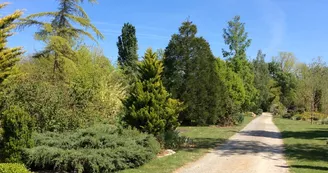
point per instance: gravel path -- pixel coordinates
(258, 148)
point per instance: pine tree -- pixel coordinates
(61, 33)
(237, 40)
(191, 75)
(127, 51)
(8, 56)
(149, 107)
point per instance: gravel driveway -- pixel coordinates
(258, 148)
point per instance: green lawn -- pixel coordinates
(205, 138)
(306, 148)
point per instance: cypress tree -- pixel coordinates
(127, 51)
(8, 56)
(149, 107)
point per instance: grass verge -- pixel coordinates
(306, 145)
(205, 138)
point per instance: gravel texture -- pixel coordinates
(258, 148)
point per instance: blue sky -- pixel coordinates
(297, 26)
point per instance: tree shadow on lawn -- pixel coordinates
(320, 168)
(319, 134)
(310, 152)
(312, 148)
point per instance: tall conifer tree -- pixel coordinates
(149, 107)
(127, 51)
(191, 75)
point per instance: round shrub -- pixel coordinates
(13, 168)
(17, 133)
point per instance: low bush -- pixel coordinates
(297, 117)
(238, 118)
(278, 109)
(315, 116)
(100, 149)
(287, 116)
(173, 140)
(324, 121)
(259, 112)
(13, 168)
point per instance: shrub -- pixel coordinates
(238, 118)
(173, 140)
(13, 168)
(324, 121)
(297, 117)
(259, 112)
(17, 132)
(102, 148)
(150, 107)
(287, 116)
(278, 109)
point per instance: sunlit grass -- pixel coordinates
(306, 145)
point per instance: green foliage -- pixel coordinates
(127, 51)
(98, 149)
(259, 112)
(233, 93)
(61, 34)
(261, 81)
(190, 74)
(17, 131)
(237, 40)
(286, 81)
(278, 109)
(13, 168)
(312, 92)
(8, 56)
(173, 140)
(238, 118)
(149, 107)
(92, 92)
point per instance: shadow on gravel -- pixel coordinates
(261, 133)
(249, 147)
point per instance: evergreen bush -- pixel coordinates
(13, 168)
(17, 132)
(98, 149)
